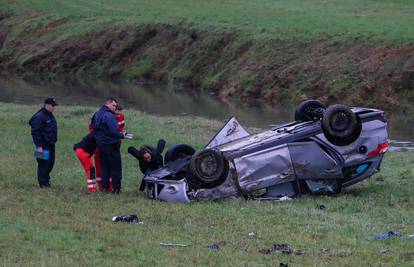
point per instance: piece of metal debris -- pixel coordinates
(214, 247)
(321, 206)
(383, 250)
(284, 248)
(131, 218)
(388, 235)
(173, 245)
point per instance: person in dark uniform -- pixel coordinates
(44, 132)
(107, 136)
(149, 158)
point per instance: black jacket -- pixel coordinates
(44, 128)
(156, 157)
(105, 127)
(88, 144)
(155, 163)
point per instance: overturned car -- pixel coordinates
(321, 152)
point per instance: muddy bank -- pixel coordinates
(228, 64)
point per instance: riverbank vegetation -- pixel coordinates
(356, 52)
(66, 226)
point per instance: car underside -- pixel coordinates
(321, 152)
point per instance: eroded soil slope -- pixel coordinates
(227, 63)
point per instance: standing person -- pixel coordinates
(98, 168)
(107, 136)
(149, 158)
(120, 118)
(84, 151)
(44, 133)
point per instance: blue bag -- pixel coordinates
(44, 155)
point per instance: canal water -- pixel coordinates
(162, 101)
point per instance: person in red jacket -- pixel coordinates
(120, 118)
(84, 151)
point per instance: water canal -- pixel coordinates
(161, 101)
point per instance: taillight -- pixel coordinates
(381, 149)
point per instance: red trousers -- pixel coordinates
(87, 164)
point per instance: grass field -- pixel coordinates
(66, 226)
(375, 21)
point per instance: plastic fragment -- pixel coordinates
(321, 206)
(383, 250)
(388, 235)
(131, 218)
(214, 247)
(173, 245)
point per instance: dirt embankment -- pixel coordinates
(226, 63)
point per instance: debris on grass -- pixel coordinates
(285, 198)
(214, 247)
(321, 206)
(284, 248)
(384, 250)
(388, 235)
(130, 218)
(173, 245)
(252, 234)
(278, 199)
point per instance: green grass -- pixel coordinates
(380, 20)
(66, 226)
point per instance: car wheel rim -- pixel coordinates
(340, 122)
(208, 165)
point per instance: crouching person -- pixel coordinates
(149, 158)
(84, 151)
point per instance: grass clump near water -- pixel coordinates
(67, 226)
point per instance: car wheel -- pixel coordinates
(340, 125)
(309, 110)
(178, 151)
(209, 168)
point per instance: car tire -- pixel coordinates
(208, 168)
(178, 151)
(340, 125)
(309, 110)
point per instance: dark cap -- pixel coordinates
(119, 107)
(51, 101)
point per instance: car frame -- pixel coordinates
(321, 152)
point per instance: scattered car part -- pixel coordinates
(214, 247)
(173, 245)
(388, 235)
(131, 218)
